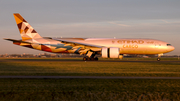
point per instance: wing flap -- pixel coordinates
(77, 43)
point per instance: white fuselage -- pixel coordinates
(130, 46)
(127, 46)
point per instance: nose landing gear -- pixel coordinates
(159, 55)
(158, 59)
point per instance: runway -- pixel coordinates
(83, 77)
(77, 60)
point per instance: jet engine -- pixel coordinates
(112, 52)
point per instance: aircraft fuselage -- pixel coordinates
(127, 46)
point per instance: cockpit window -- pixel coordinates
(169, 45)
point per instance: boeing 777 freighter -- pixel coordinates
(90, 47)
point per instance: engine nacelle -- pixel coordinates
(112, 52)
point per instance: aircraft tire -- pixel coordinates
(84, 58)
(88, 59)
(96, 58)
(158, 59)
(92, 59)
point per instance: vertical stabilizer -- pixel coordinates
(25, 29)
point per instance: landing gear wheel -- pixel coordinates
(92, 59)
(84, 58)
(96, 58)
(88, 58)
(158, 59)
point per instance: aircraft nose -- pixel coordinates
(171, 48)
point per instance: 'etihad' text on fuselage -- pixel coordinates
(130, 41)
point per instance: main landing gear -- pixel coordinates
(90, 56)
(90, 59)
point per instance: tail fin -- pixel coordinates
(25, 29)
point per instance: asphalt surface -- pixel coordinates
(76, 60)
(84, 77)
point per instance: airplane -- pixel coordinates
(89, 47)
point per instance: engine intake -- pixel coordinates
(112, 52)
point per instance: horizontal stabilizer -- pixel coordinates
(15, 40)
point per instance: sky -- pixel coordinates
(154, 19)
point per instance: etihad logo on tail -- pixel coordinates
(25, 29)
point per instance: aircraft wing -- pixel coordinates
(16, 40)
(77, 43)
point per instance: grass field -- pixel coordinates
(66, 67)
(89, 90)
